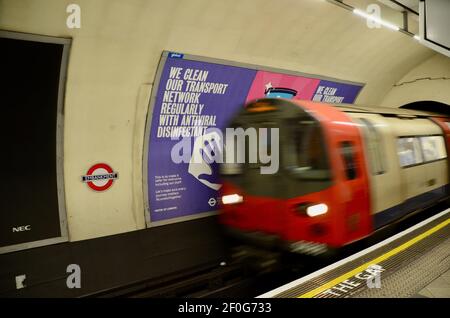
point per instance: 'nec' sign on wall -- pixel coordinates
(22, 228)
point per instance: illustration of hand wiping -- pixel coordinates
(206, 148)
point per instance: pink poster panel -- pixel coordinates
(269, 84)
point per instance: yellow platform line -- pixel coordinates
(379, 259)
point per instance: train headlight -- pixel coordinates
(232, 199)
(316, 209)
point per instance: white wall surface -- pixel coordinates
(429, 80)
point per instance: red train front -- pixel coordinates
(318, 198)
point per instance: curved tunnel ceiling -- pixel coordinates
(311, 36)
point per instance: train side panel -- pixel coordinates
(397, 186)
(428, 176)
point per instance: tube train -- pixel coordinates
(344, 172)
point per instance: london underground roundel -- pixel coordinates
(100, 177)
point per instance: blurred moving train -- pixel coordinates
(344, 172)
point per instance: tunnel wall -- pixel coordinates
(429, 80)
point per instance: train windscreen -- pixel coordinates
(277, 130)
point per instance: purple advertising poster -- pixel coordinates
(193, 96)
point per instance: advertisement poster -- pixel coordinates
(194, 95)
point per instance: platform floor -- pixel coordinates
(438, 288)
(416, 274)
(413, 263)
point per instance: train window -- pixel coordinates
(408, 149)
(433, 148)
(305, 153)
(374, 147)
(348, 154)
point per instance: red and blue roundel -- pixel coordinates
(100, 177)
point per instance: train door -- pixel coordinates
(382, 167)
(352, 219)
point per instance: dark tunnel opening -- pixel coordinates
(429, 105)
